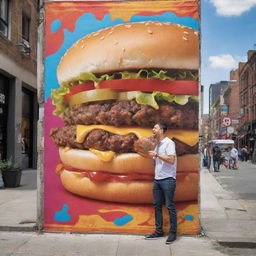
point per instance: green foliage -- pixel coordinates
(8, 165)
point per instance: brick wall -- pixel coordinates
(247, 83)
(8, 46)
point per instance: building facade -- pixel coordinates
(215, 90)
(231, 106)
(205, 129)
(247, 94)
(226, 106)
(215, 118)
(18, 83)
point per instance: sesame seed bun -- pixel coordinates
(124, 163)
(143, 45)
(136, 192)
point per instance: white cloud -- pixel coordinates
(225, 61)
(233, 7)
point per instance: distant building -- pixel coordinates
(202, 100)
(215, 118)
(225, 105)
(216, 90)
(18, 83)
(205, 129)
(231, 106)
(201, 108)
(247, 94)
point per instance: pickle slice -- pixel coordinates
(93, 95)
(181, 99)
(127, 95)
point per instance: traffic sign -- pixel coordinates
(226, 121)
(230, 129)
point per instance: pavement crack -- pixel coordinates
(248, 245)
(170, 249)
(117, 246)
(241, 210)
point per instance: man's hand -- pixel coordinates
(152, 154)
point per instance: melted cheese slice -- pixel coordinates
(189, 137)
(66, 149)
(105, 156)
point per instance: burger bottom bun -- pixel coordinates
(122, 163)
(137, 192)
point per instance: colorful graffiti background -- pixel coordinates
(67, 22)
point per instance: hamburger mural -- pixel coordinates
(119, 71)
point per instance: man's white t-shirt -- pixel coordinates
(163, 170)
(234, 153)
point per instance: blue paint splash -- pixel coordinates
(123, 220)
(62, 215)
(55, 25)
(88, 23)
(189, 217)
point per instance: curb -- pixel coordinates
(20, 229)
(247, 245)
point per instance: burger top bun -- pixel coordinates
(140, 45)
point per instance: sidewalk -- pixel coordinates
(63, 244)
(224, 219)
(18, 205)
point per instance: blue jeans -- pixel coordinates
(216, 165)
(163, 191)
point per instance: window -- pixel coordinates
(4, 17)
(25, 27)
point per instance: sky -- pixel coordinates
(228, 31)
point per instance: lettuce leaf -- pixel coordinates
(141, 98)
(57, 99)
(143, 73)
(152, 99)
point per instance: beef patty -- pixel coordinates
(105, 141)
(130, 113)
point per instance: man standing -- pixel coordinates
(234, 157)
(216, 158)
(164, 182)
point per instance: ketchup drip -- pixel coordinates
(101, 176)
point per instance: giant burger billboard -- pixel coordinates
(113, 90)
(112, 70)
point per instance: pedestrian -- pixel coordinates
(164, 184)
(244, 153)
(205, 157)
(226, 158)
(240, 155)
(234, 157)
(216, 158)
(209, 157)
(250, 153)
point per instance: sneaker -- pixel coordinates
(153, 236)
(171, 238)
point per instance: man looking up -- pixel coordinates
(164, 182)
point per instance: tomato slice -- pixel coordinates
(184, 87)
(79, 88)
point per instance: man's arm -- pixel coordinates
(169, 159)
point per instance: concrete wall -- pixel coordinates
(13, 68)
(20, 69)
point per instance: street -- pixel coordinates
(241, 181)
(241, 206)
